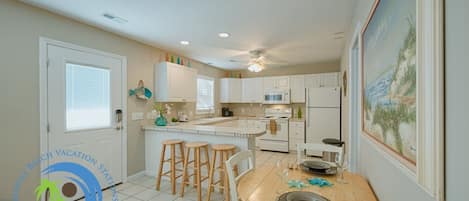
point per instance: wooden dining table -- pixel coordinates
(265, 183)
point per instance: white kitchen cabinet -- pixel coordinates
(322, 80)
(313, 81)
(297, 133)
(330, 79)
(175, 83)
(280, 83)
(252, 90)
(230, 90)
(297, 91)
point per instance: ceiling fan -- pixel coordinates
(259, 59)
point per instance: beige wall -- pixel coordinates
(388, 180)
(20, 28)
(322, 67)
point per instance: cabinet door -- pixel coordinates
(175, 89)
(189, 86)
(330, 80)
(235, 90)
(252, 90)
(224, 90)
(297, 130)
(270, 83)
(312, 81)
(258, 90)
(297, 85)
(283, 83)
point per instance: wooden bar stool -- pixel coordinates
(197, 176)
(173, 161)
(225, 151)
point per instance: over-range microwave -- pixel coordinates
(276, 97)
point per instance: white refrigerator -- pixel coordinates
(322, 115)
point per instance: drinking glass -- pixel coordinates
(341, 167)
(282, 173)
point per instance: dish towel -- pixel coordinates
(319, 181)
(273, 127)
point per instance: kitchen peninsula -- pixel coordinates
(221, 130)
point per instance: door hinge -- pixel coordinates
(48, 127)
(47, 63)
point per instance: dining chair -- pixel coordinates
(318, 148)
(234, 179)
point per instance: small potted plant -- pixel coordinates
(160, 120)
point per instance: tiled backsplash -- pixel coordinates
(256, 109)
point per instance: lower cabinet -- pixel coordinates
(297, 134)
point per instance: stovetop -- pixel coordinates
(277, 114)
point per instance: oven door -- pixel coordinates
(281, 134)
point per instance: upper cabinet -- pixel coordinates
(175, 83)
(230, 90)
(330, 79)
(252, 90)
(297, 91)
(281, 83)
(322, 80)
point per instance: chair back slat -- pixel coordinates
(231, 163)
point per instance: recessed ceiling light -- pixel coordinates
(223, 35)
(184, 42)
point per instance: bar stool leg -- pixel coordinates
(160, 171)
(221, 173)
(225, 177)
(198, 173)
(173, 169)
(184, 176)
(207, 159)
(181, 149)
(212, 171)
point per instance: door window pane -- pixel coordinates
(88, 103)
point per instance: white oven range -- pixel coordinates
(275, 141)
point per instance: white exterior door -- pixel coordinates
(83, 102)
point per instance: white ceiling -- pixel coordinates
(291, 31)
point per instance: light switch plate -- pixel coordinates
(137, 116)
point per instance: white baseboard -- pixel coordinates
(138, 174)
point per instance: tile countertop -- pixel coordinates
(209, 127)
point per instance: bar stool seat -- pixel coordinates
(173, 160)
(223, 147)
(196, 147)
(225, 151)
(196, 144)
(171, 142)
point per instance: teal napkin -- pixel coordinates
(319, 181)
(296, 184)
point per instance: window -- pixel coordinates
(87, 97)
(205, 95)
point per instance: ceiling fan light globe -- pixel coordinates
(255, 68)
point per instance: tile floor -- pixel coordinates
(142, 188)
